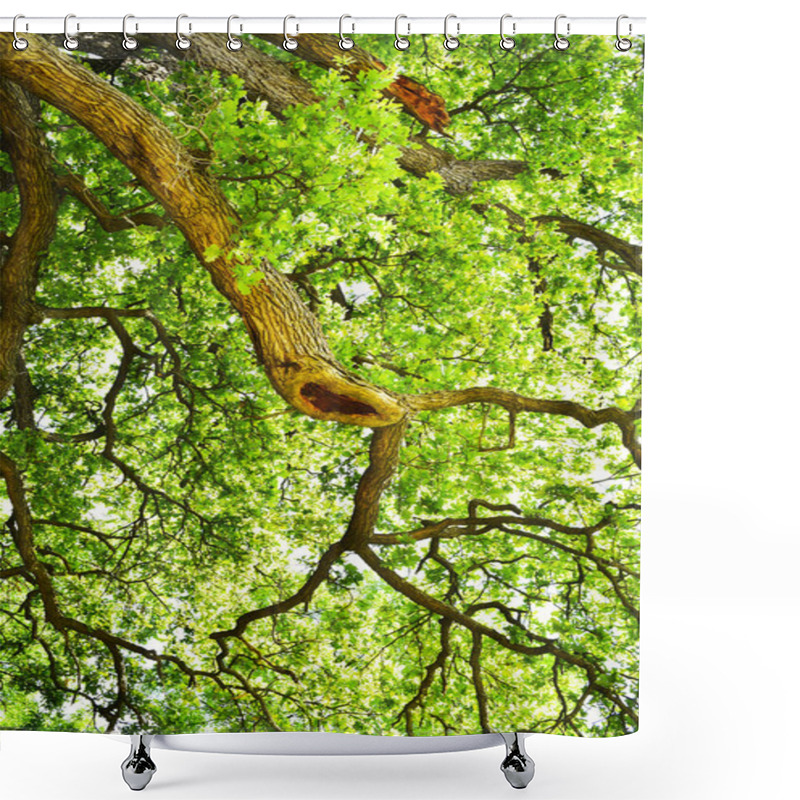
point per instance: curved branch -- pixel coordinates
(302, 595)
(266, 78)
(288, 339)
(452, 528)
(421, 598)
(516, 403)
(384, 452)
(39, 204)
(323, 49)
(631, 254)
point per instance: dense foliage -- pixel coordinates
(172, 491)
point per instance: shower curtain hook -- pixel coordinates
(400, 42)
(506, 42)
(623, 45)
(561, 43)
(182, 42)
(19, 43)
(128, 42)
(451, 42)
(345, 43)
(70, 42)
(289, 42)
(234, 42)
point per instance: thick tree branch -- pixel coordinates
(287, 338)
(421, 598)
(39, 203)
(631, 254)
(516, 403)
(452, 528)
(266, 78)
(23, 396)
(384, 452)
(477, 681)
(323, 49)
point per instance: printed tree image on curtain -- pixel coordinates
(320, 385)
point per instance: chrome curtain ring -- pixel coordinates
(128, 42)
(623, 45)
(451, 42)
(506, 42)
(400, 42)
(181, 41)
(345, 43)
(234, 42)
(560, 43)
(70, 42)
(289, 42)
(19, 43)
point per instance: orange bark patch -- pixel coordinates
(331, 403)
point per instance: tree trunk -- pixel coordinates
(38, 207)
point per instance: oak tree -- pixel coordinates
(320, 382)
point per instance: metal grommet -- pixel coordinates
(345, 42)
(451, 42)
(506, 42)
(128, 42)
(70, 42)
(19, 43)
(234, 42)
(400, 42)
(623, 45)
(560, 43)
(289, 43)
(181, 41)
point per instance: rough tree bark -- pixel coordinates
(38, 206)
(323, 49)
(288, 340)
(267, 78)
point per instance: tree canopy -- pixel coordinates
(320, 386)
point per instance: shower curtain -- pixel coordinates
(320, 375)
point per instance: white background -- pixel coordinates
(721, 607)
